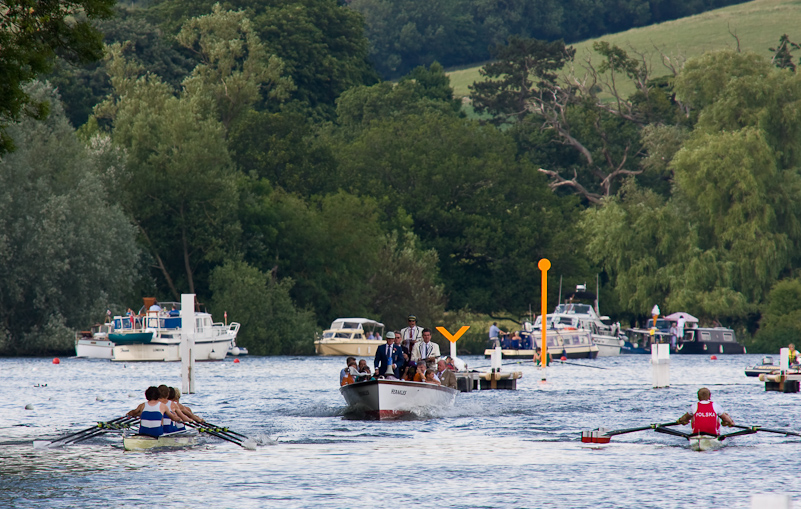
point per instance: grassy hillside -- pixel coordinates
(758, 24)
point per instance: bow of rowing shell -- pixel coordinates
(388, 399)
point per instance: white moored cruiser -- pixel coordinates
(94, 343)
(155, 335)
(388, 399)
(348, 336)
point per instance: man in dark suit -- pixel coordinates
(386, 357)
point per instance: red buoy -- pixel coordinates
(713, 358)
(563, 358)
(56, 361)
(236, 361)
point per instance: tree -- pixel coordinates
(67, 250)
(31, 36)
(271, 324)
(234, 68)
(181, 192)
(782, 54)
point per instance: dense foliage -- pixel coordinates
(246, 152)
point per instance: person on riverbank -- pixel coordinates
(706, 416)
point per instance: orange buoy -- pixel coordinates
(713, 358)
(563, 358)
(236, 361)
(56, 361)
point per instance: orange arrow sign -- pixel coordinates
(453, 337)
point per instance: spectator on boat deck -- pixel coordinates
(344, 375)
(495, 335)
(370, 335)
(420, 372)
(387, 357)
(426, 351)
(431, 377)
(408, 375)
(706, 416)
(130, 315)
(680, 327)
(412, 334)
(445, 375)
(404, 357)
(155, 307)
(674, 335)
(364, 368)
(450, 364)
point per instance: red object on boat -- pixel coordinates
(56, 361)
(236, 361)
(713, 358)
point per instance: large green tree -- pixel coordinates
(67, 251)
(32, 34)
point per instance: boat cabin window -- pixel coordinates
(328, 335)
(728, 336)
(351, 325)
(705, 336)
(564, 320)
(358, 335)
(551, 342)
(342, 335)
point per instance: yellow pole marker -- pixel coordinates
(453, 337)
(544, 265)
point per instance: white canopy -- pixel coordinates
(681, 314)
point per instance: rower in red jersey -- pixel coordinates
(706, 416)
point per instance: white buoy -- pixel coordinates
(660, 364)
(29, 406)
(188, 343)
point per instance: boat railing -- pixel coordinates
(221, 329)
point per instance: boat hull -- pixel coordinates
(143, 443)
(390, 399)
(94, 349)
(352, 347)
(704, 443)
(127, 338)
(147, 352)
(608, 346)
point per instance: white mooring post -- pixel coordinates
(660, 364)
(188, 343)
(784, 359)
(496, 359)
(453, 349)
(771, 501)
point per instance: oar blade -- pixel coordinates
(42, 444)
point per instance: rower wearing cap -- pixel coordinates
(706, 416)
(411, 334)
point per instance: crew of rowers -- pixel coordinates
(162, 412)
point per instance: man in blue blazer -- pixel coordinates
(386, 356)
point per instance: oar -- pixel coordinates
(767, 430)
(667, 431)
(105, 429)
(46, 443)
(641, 428)
(223, 429)
(210, 431)
(583, 365)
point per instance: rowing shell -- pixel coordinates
(704, 443)
(143, 442)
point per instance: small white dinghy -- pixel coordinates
(186, 438)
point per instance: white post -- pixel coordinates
(771, 501)
(188, 343)
(453, 349)
(660, 364)
(496, 358)
(784, 359)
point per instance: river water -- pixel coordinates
(493, 449)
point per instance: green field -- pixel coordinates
(757, 24)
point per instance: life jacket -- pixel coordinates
(150, 422)
(705, 419)
(345, 378)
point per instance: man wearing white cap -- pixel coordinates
(386, 357)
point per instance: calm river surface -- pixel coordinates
(505, 449)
